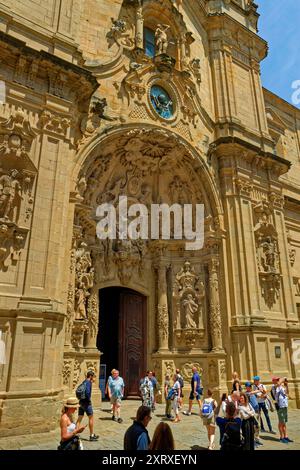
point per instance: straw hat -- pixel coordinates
(71, 402)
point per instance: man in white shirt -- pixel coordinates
(281, 397)
(261, 399)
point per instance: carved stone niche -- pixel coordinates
(79, 312)
(17, 175)
(188, 305)
(266, 240)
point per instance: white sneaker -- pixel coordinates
(187, 413)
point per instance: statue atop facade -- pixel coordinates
(161, 38)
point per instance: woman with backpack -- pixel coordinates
(230, 430)
(209, 407)
(247, 414)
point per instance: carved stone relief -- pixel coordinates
(186, 370)
(17, 176)
(266, 239)
(76, 372)
(67, 369)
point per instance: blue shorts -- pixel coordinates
(198, 395)
(85, 408)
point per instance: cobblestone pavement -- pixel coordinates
(189, 434)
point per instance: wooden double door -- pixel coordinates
(122, 336)
(132, 339)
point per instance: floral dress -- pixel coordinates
(147, 393)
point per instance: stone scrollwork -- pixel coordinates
(17, 175)
(266, 239)
(121, 32)
(67, 369)
(186, 370)
(76, 372)
(188, 302)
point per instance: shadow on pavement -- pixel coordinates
(269, 438)
(198, 448)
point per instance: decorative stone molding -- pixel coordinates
(54, 123)
(79, 328)
(17, 176)
(215, 310)
(244, 187)
(44, 72)
(92, 366)
(162, 308)
(67, 370)
(292, 256)
(277, 200)
(186, 370)
(76, 373)
(93, 319)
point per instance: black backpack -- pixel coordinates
(232, 439)
(81, 391)
(181, 382)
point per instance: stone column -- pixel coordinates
(70, 301)
(139, 32)
(162, 310)
(215, 314)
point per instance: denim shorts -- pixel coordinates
(198, 395)
(85, 408)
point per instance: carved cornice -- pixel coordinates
(59, 77)
(232, 146)
(225, 31)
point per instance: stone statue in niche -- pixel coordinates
(161, 38)
(188, 301)
(10, 195)
(190, 308)
(268, 257)
(267, 253)
(84, 278)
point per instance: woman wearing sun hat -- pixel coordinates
(68, 429)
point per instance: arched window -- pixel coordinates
(149, 42)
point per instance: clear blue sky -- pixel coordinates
(279, 25)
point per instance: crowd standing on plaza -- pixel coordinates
(238, 415)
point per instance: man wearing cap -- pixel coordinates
(281, 397)
(86, 405)
(261, 393)
(254, 403)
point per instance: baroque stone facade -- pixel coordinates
(160, 101)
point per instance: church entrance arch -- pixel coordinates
(184, 290)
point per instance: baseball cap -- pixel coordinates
(256, 377)
(275, 378)
(248, 384)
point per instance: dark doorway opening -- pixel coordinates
(122, 335)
